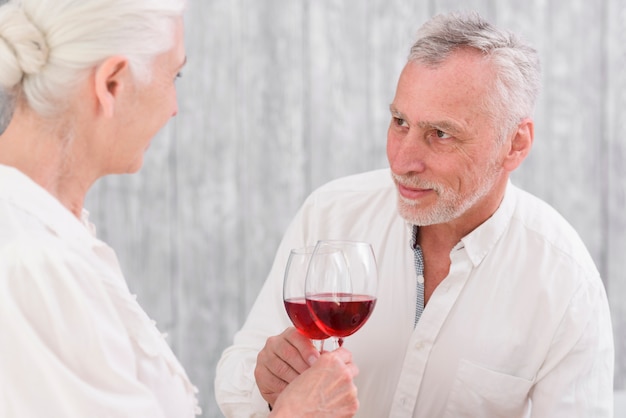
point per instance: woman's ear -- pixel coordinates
(520, 144)
(111, 78)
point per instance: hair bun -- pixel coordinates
(23, 46)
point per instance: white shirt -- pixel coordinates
(73, 340)
(520, 327)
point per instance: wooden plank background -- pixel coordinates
(279, 97)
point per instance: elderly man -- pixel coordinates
(489, 304)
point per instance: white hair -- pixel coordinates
(47, 46)
(516, 64)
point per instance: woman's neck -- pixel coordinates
(46, 155)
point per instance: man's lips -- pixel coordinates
(412, 192)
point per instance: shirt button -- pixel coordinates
(420, 279)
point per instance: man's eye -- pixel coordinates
(441, 134)
(400, 121)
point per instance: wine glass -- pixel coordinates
(293, 295)
(341, 285)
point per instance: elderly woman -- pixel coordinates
(90, 84)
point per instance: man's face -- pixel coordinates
(441, 144)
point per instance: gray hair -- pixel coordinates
(518, 73)
(48, 46)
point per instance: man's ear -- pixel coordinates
(520, 144)
(111, 78)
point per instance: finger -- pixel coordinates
(268, 382)
(305, 347)
(274, 359)
(270, 373)
(294, 351)
(342, 354)
(341, 358)
(354, 370)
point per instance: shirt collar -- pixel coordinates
(481, 240)
(21, 191)
(478, 242)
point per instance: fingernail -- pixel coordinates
(312, 360)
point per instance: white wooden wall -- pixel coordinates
(279, 97)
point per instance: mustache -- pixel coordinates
(413, 181)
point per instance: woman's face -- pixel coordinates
(150, 108)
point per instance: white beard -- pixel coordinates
(450, 204)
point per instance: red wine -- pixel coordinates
(301, 317)
(340, 314)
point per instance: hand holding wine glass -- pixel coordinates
(293, 295)
(341, 286)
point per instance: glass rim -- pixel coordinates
(308, 249)
(343, 241)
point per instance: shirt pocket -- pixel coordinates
(481, 392)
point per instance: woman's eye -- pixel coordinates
(178, 75)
